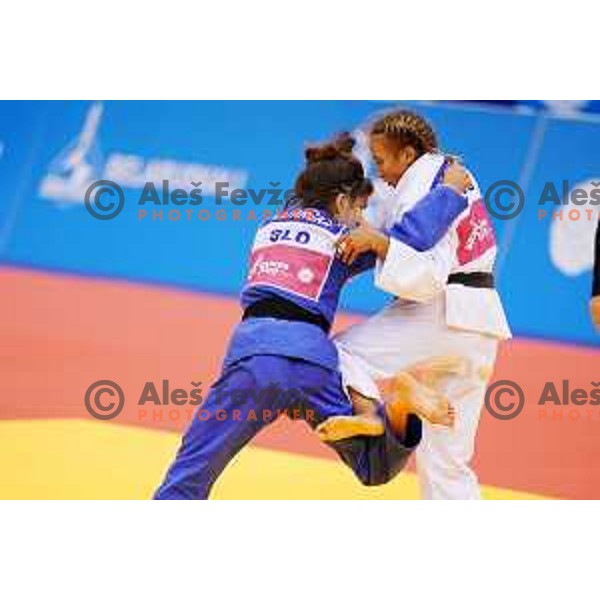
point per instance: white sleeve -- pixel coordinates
(415, 275)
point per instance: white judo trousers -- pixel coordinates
(433, 318)
(401, 335)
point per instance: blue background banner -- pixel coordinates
(51, 151)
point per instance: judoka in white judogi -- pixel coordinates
(446, 305)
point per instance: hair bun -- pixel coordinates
(340, 147)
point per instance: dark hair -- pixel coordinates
(406, 128)
(331, 169)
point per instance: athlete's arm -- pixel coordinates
(420, 228)
(416, 256)
(421, 253)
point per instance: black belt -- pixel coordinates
(279, 308)
(476, 279)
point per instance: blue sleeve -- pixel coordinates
(363, 263)
(426, 223)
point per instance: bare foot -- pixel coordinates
(412, 396)
(340, 428)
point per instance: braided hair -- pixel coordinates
(331, 169)
(407, 128)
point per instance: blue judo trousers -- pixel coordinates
(260, 388)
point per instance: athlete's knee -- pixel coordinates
(382, 471)
(374, 478)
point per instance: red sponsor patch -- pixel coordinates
(475, 234)
(289, 268)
